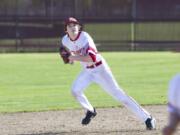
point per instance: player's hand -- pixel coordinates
(64, 53)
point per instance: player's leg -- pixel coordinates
(79, 85)
(108, 83)
(174, 93)
(173, 105)
(172, 125)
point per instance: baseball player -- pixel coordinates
(173, 105)
(95, 70)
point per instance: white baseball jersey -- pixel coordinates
(174, 94)
(82, 45)
(98, 72)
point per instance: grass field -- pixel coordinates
(39, 82)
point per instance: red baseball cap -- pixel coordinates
(71, 20)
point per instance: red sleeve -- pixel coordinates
(91, 53)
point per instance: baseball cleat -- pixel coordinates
(89, 115)
(150, 123)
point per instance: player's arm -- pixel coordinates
(86, 58)
(90, 56)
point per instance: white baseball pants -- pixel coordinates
(102, 75)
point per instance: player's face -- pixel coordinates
(73, 28)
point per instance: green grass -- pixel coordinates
(39, 82)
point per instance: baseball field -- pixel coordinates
(35, 97)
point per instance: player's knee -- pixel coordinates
(125, 101)
(75, 92)
(121, 96)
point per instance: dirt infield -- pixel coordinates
(109, 121)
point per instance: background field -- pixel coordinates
(35, 97)
(148, 36)
(39, 82)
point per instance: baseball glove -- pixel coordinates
(64, 53)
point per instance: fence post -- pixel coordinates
(16, 25)
(133, 26)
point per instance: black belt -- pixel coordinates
(95, 65)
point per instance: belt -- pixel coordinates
(95, 65)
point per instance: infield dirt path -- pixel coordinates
(109, 121)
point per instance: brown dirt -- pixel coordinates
(109, 121)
